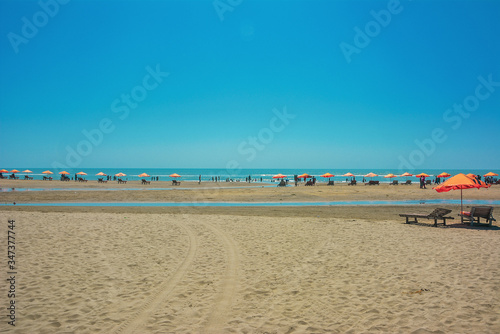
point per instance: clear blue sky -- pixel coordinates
(365, 84)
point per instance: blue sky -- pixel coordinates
(250, 84)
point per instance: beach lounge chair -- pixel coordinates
(26, 177)
(372, 183)
(437, 214)
(145, 182)
(427, 182)
(331, 183)
(176, 183)
(394, 183)
(121, 181)
(101, 180)
(408, 182)
(476, 213)
(352, 183)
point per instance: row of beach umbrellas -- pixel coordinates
(370, 175)
(48, 172)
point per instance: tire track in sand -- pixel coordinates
(223, 302)
(163, 291)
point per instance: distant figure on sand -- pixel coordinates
(422, 182)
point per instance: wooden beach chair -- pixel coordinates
(475, 215)
(352, 183)
(408, 182)
(101, 180)
(145, 182)
(394, 183)
(437, 214)
(331, 183)
(176, 183)
(372, 183)
(121, 181)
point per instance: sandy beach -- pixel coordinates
(345, 269)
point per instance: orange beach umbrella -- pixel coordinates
(460, 181)
(120, 174)
(4, 171)
(327, 175)
(303, 176)
(174, 175)
(81, 173)
(101, 174)
(348, 174)
(444, 175)
(422, 174)
(27, 171)
(63, 172)
(279, 176)
(144, 175)
(390, 176)
(47, 172)
(472, 176)
(490, 174)
(14, 171)
(370, 175)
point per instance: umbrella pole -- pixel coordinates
(461, 207)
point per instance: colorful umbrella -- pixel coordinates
(390, 176)
(472, 176)
(63, 172)
(81, 173)
(279, 176)
(101, 174)
(47, 172)
(144, 175)
(460, 181)
(327, 175)
(422, 174)
(370, 175)
(27, 171)
(348, 174)
(4, 171)
(120, 174)
(485, 175)
(444, 175)
(303, 176)
(174, 175)
(14, 171)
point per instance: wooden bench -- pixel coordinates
(475, 215)
(437, 214)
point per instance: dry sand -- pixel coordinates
(249, 270)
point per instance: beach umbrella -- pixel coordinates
(279, 176)
(422, 174)
(144, 175)
(444, 175)
(174, 175)
(303, 176)
(101, 174)
(14, 171)
(406, 174)
(472, 176)
(390, 176)
(27, 171)
(485, 175)
(370, 175)
(328, 175)
(81, 173)
(63, 172)
(348, 175)
(4, 171)
(120, 174)
(460, 181)
(47, 172)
